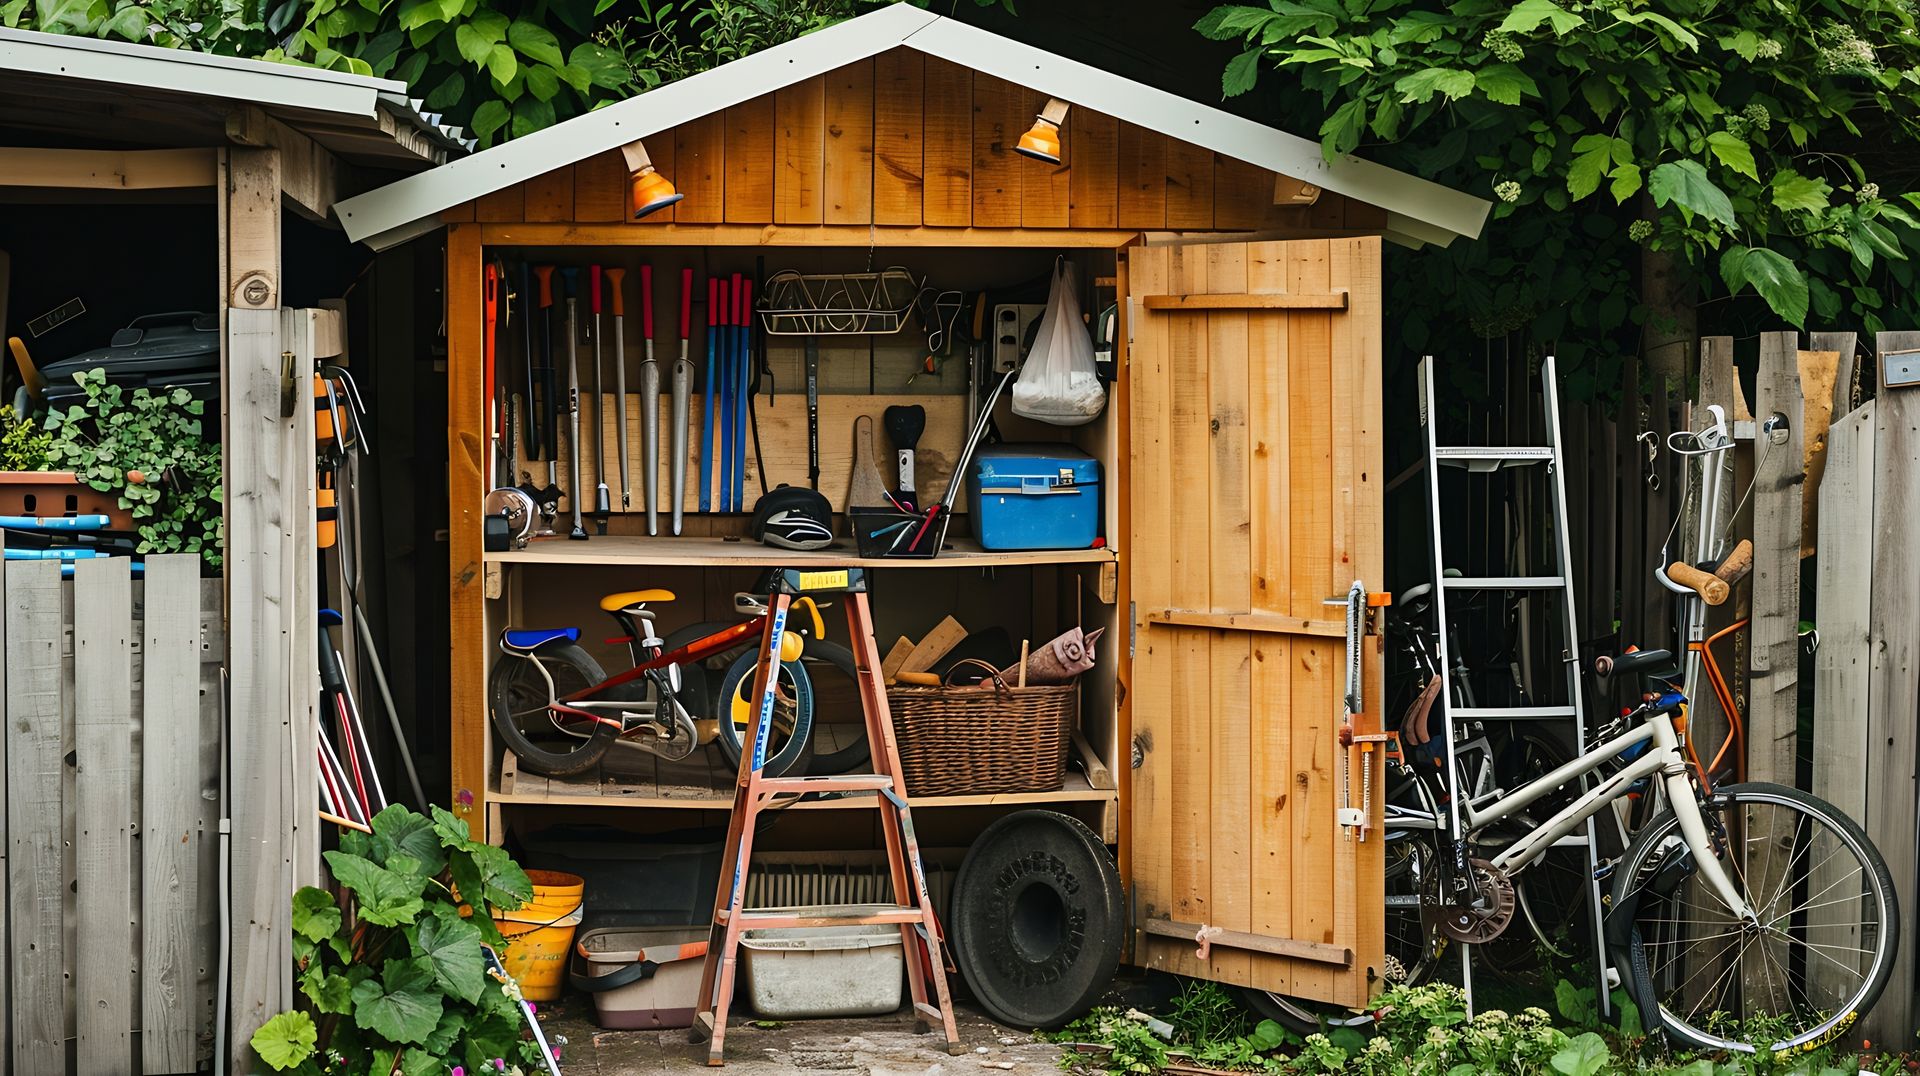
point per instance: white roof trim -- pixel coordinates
(1416, 206)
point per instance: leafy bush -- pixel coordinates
(145, 448)
(23, 444)
(397, 978)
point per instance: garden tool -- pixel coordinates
(813, 412)
(904, 427)
(649, 406)
(615, 278)
(508, 512)
(548, 498)
(682, 386)
(706, 423)
(602, 496)
(724, 390)
(570, 284)
(743, 390)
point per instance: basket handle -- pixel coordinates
(999, 681)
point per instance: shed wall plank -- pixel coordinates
(600, 185)
(799, 152)
(36, 860)
(750, 161)
(549, 196)
(947, 148)
(700, 169)
(508, 204)
(849, 123)
(898, 191)
(104, 1012)
(170, 814)
(1189, 186)
(1093, 183)
(1142, 156)
(997, 125)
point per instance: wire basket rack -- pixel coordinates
(837, 304)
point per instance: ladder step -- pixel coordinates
(837, 916)
(846, 782)
(1504, 582)
(1498, 456)
(1511, 713)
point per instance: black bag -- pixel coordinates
(173, 350)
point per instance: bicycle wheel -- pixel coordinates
(517, 702)
(1413, 949)
(700, 694)
(790, 741)
(1822, 949)
(1550, 896)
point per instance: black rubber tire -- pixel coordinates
(1035, 920)
(563, 660)
(700, 692)
(854, 755)
(794, 755)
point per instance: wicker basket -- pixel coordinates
(978, 739)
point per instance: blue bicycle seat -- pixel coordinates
(535, 638)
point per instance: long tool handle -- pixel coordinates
(743, 327)
(725, 392)
(490, 303)
(813, 412)
(549, 375)
(615, 283)
(55, 523)
(569, 277)
(682, 388)
(602, 493)
(649, 408)
(528, 411)
(706, 424)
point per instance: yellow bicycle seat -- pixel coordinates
(633, 597)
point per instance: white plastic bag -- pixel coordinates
(1058, 383)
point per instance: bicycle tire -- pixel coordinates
(790, 756)
(1648, 939)
(1551, 895)
(700, 694)
(511, 673)
(855, 753)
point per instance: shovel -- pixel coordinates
(904, 427)
(682, 388)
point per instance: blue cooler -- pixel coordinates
(1035, 497)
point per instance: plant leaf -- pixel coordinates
(1680, 34)
(387, 898)
(1585, 1055)
(452, 945)
(489, 117)
(315, 916)
(1420, 86)
(1626, 182)
(1527, 16)
(1685, 184)
(1505, 84)
(1241, 73)
(402, 1005)
(502, 63)
(1791, 190)
(329, 991)
(1778, 281)
(1733, 152)
(605, 67)
(473, 45)
(535, 42)
(543, 82)
(286, 1040)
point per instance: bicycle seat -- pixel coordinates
(535, 638)
(624, 598)
(1630, 663)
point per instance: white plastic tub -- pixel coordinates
(796, 973)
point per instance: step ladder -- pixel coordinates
(912, 909)
(1481, 460)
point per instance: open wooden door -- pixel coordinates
(1254, 386)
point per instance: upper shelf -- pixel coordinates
(745, 553)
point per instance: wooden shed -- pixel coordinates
(1240, 446)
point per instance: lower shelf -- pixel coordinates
(631, 778)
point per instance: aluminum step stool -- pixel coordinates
(912, 908)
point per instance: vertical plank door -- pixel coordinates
(1254, 381)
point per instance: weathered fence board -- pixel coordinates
(171, 817)
(103, 840)
(37, 860)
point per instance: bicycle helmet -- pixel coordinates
(792, 518)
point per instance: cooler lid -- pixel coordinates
(1017, 461)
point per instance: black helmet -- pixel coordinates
(793, 518)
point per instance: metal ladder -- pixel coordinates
(1486, 459)
(912, 908)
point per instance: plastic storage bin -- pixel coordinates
(1035, 497)
(665, 880)
(665, 999)
(801, 972)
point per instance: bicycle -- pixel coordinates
(559, 712)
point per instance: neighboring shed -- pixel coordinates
(1241, 443)
(134, 175)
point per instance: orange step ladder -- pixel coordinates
(912, 909)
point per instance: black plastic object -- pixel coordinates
(792, 518)
(173, 350)
(1035, 921)
(662, 880)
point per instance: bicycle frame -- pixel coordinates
(1664, 758)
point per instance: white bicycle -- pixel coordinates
(1750, 917)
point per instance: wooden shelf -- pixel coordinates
(632, 778)
(745, 553)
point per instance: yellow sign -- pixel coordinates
(823, 580)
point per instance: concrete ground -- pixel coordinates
(861, 1046)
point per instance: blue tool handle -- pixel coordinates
(56, 554)
(137, 568)
(54, 523)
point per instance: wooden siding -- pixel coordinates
(906, 140)
(1255, 489)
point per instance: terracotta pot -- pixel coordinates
(59, 493)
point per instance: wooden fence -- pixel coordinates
(112, 780)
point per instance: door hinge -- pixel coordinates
(1133, 631)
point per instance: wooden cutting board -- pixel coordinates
(866, 489)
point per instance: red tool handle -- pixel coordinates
(614, 276)
(725, 315)
(490, 297)
(733, 306)
(646, 302)
(686, 303)
(594, 275)
(746, 302)
(713, 302)
(545, 273)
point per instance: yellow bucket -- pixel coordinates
(539, 933)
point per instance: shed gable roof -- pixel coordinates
(1417, 209)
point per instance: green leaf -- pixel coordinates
(1685, 184)
(387, 898)
(330, 992)
(1600, 95)
(1733, 152)
(403, 1005)
(490, 875)
(1527, 16)
(605, 67)
(1878, 238)
(1777, 280)
(473, 45)
(1420, 86)
(449, 93)
(286, 1040)
(543, 82)
(489, 117)
(315, 916)
(1745, 42)
(1341, 131)
(1585, 1055)
(1680, 34)
(399, 831)
(530, 115)
(1505, 84)
(129, 22)
(1791, 190)
(1241, 73)
(452, 945)
(489, 24)
(502, 63)
(1229, 22)
(1626, 182)
(535, 42)
(418, 13)
(1594, 153)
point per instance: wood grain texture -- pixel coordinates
(507, 204)
(799, 152)
(898, 191)
(849, 121)
(1242, 194)
(549, 195)
(170, 813)
(600, 184)
(467, 424)
(1093, 192)
(104, 1012)
(751, 163)
(700, 170)
(1046, 190)
(1142, 158)
(1820, 372)
(998, 111)
(36, 850)
(1189, 186)
(947, 144)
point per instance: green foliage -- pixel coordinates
(228, 27)
(403, 988)
(23, 444)
(1738, 140)
(146, 448)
